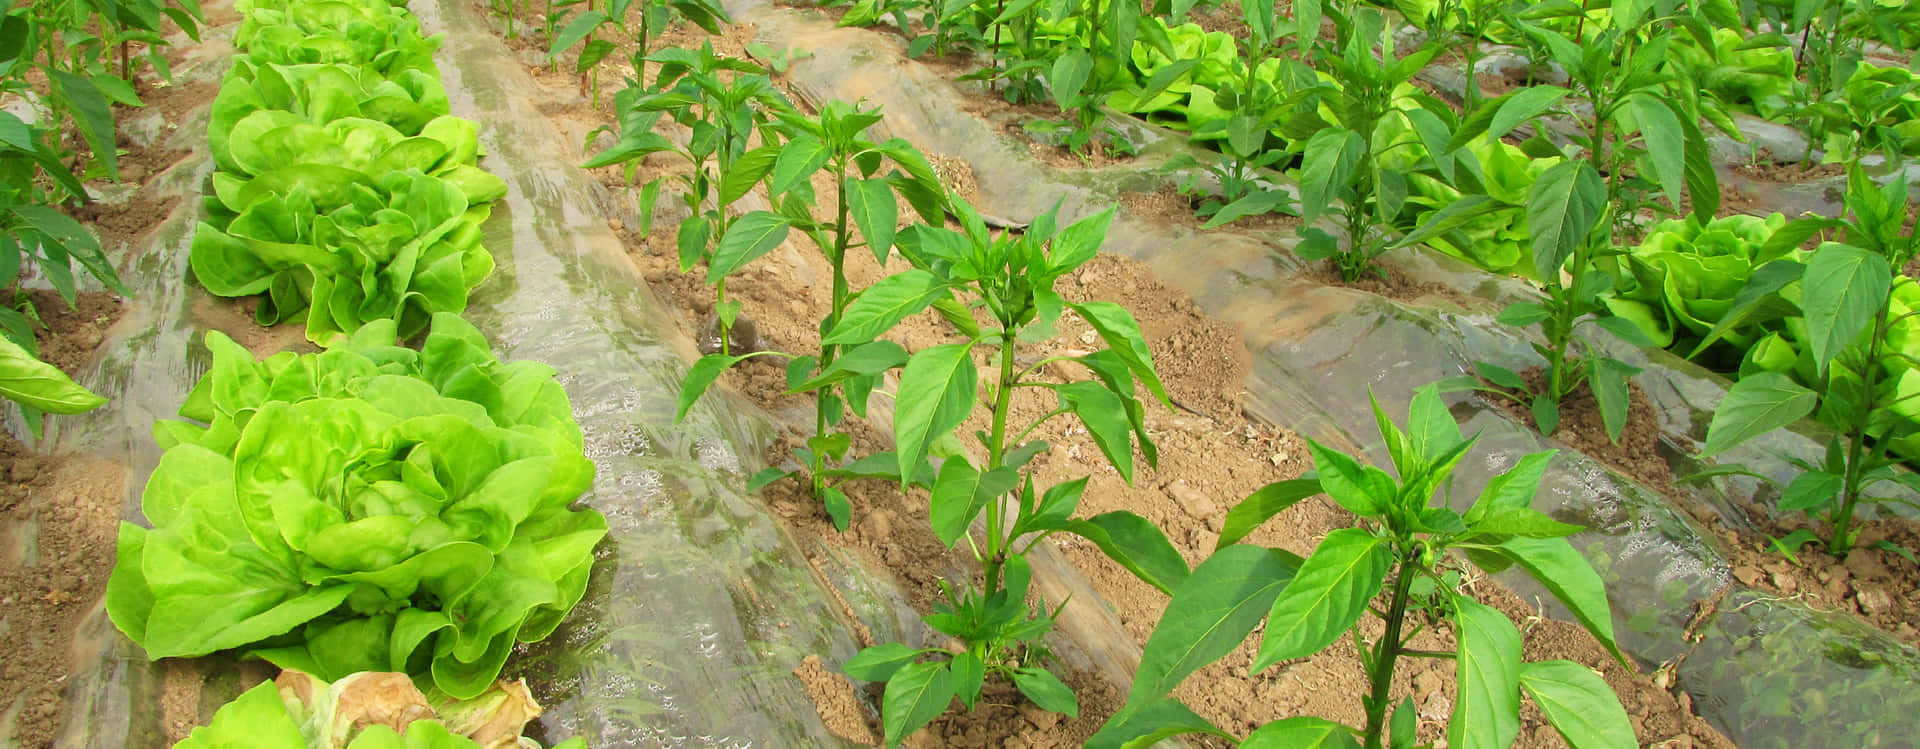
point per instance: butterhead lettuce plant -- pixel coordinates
(368, 508)
(345, 192)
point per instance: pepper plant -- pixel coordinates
(1844, 288)
(1351, 159)
(651, 18)
(1008, 279)
(866, 214)
(1633, 116)
(69, 45)
(724, 103)
(1089, 67)
(1402, 541)
(1245, 137)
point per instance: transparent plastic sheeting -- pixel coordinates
(1319, 351)
(149, 361)
(700, 605)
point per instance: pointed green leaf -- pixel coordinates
(1756, 404)
(747, 171)
(1486, 710)
(747, 238)
(880, 662)
(915, 696)
(1046, 691)
(969, 674)
(36, 384)
(1261, 506)
(1522, 106)
(1563, 205)
(1609, 385)
(574, 31)
(1135, 543)
(1331, 160)
(1142, 725)
(700, 376)
(1844, 288)
(884, 304)
(1666, 143)
(1362, 489)
(874, 211)
(798, 160)
(1554, 563)
(1105, 417)
(937, 391)
(1211, 613)
(960, 492)
(1122, 334)
(1327, 596)
(1579, 704)
(1811, 490)
(1304, 732)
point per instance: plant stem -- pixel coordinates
(996, 453)
(837, 256)
(1385, 653)
(1842, 521)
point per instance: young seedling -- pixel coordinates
(653, 17)
(1246, 136)
(1402, 542)
(67, 46)
(1345, 162)
(1844, 293)
(866, 215)
(724, 103)
(1086, 69)
(1009, 279)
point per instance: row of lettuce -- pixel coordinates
(371, 509)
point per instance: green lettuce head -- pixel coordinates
(1682, 280)
(369, 508)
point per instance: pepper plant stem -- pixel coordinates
(996, 454)
(1385, 653)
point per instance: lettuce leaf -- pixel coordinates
(369, 710)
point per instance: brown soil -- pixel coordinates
(1210, 458)
(1167, 205)
(834, 697)
(1875, 584)
(1014, 118)
(1396, 285)
(60, 516)
(1225, 17)
(72, 333)
(1767, 168)
(1636, 455)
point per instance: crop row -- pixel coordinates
(1623, 138)
(995, 289)
(407, 510)
(371, 509)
